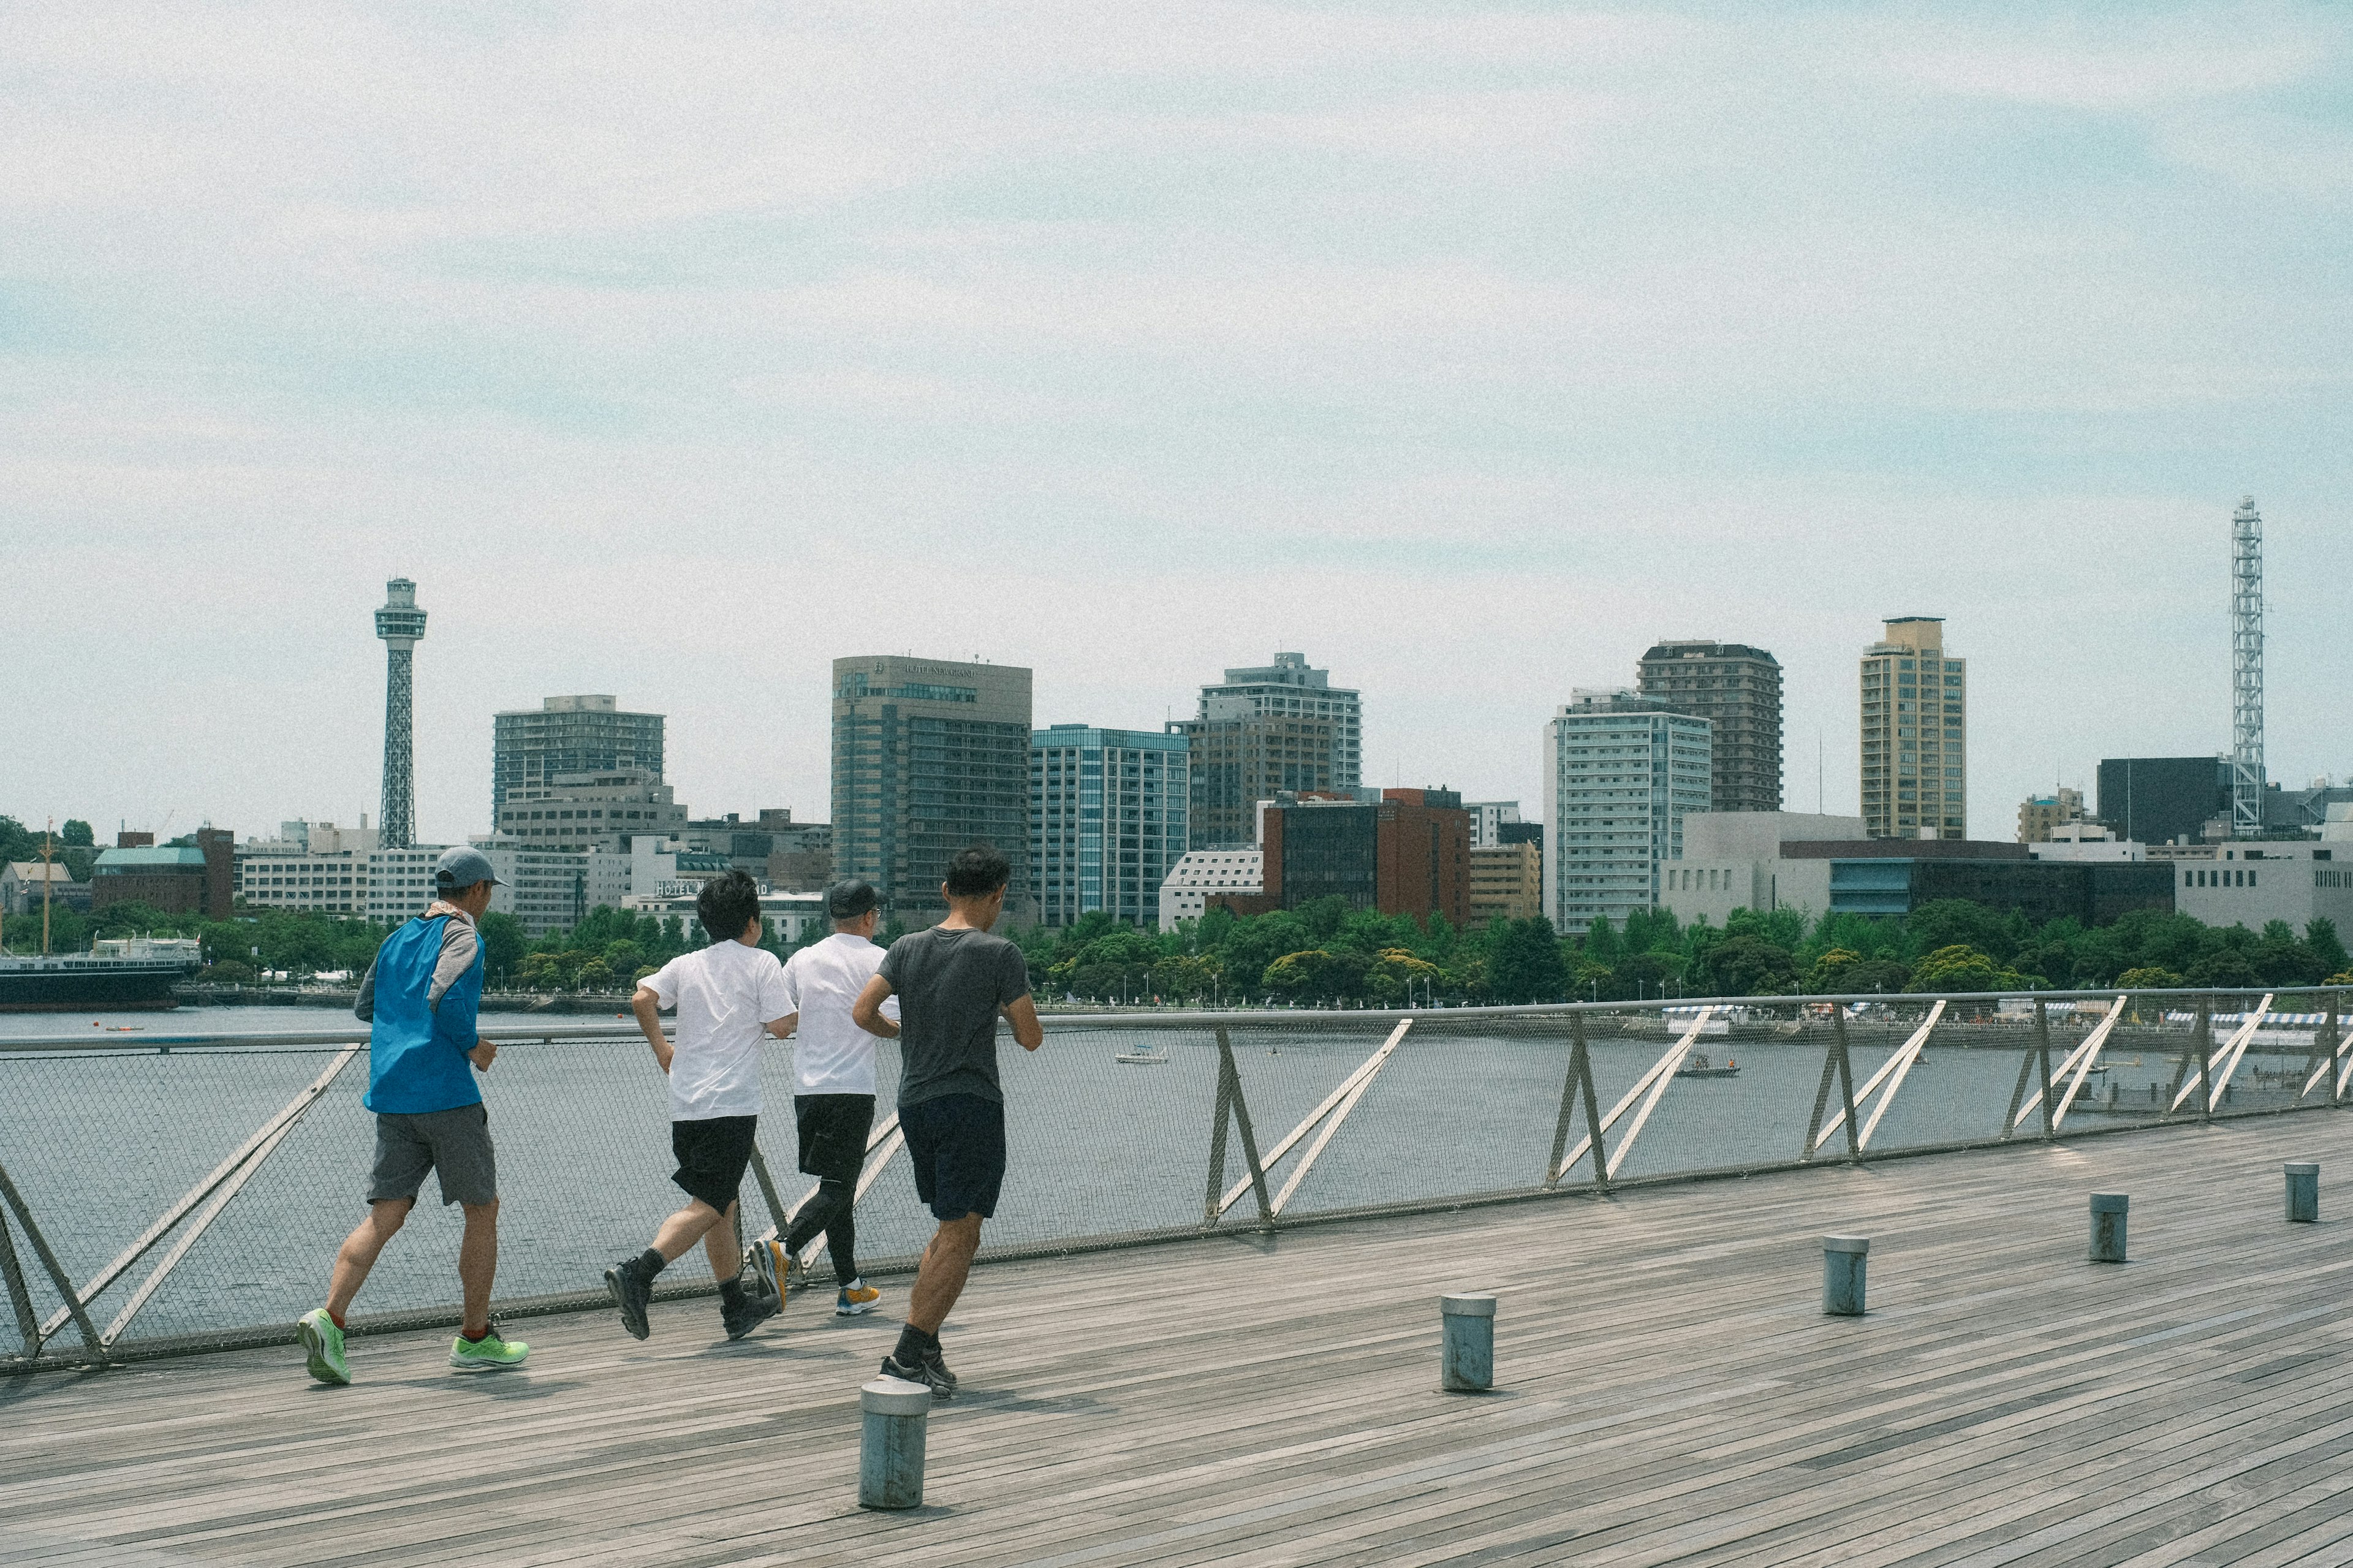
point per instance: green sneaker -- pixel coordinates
(492, 1352)
(324, 1343)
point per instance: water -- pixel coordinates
(101, 1142)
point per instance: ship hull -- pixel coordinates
(84, 989)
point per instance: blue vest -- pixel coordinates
(417, 1058)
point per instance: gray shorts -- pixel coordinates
(455, 1143)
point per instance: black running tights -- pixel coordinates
(834, 1212)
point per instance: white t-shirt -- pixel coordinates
(723, 994)
(830, 1054)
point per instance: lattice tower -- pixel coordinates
(2246, 670)
(401, 624)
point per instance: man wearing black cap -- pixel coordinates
(833, 1092)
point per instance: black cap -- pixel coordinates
(847, 900)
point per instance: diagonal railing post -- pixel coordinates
(2201, 1030)
(1241, 1105)
(1846, 1091)
(15, 1200)
(769, 1193)
(1576, 1090)
(2010, 1117)
(2206, 1061)
(1821, 1096)
(2042, 1060)
(1217, 1120)
(28, 1322)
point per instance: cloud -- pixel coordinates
(1469, 349)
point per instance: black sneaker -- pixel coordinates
(746, 1309)
(931, 1372)
(632, 1293)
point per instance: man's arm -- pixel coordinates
(783, 1028)
(647, 1006)
(1022, 1014)
(364, 1008)
(867, 1011)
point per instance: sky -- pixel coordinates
(675, 351)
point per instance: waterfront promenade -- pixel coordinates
(1668, 1393)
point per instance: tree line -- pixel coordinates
(1325, 951)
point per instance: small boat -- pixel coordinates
(1146, 1058)
(1696, 1064)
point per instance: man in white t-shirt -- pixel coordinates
(833, 1093)
(729, 997)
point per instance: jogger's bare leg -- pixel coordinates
(719, 1246)
(688, 1225)
(947, 1263)
(361, 1249)
(478, 1264)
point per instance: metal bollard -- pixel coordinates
(1469, 1321)
(2108, 1227)
(890, 1446)
(1844, 1263)
(2303, 1192)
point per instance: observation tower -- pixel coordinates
(401, 624)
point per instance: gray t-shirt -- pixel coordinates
(950, 980)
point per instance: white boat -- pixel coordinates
(1146, 1058)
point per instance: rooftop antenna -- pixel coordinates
(2246, 670)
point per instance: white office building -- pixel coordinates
(1487, 820)
(311, 865)
(400, 881)
(1185, 896)
(2251, 883)
(1621, 774)
(1733, 860)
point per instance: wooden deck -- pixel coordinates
(1670, 1392)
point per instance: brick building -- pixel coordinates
(200, 878)
(1401, 851)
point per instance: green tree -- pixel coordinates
(2320, 936)
(1961, 967)
(1524, 963)
(77, 834)
(1746, 965)
(2147, 980)
(2224, 968)
(503, 944)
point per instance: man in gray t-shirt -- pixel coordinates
(952, 981)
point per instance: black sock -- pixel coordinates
(732, 1288)
(651, 1262)
(913, 1345)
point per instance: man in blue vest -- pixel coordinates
(419, 1000)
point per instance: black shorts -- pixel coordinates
(957, 1143)
(833, 1132)
(711, 1156)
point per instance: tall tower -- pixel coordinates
(1914, 733)
(401, 624)
(2246, 670)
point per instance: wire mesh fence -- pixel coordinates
(193, 1196)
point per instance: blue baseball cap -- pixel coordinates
(462, 867)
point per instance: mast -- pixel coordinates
(48, 854)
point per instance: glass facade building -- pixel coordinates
(1107, 820)
(1621, 772)
(928, 757)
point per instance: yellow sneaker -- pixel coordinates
(856, 1299)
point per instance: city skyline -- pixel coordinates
(1471, 351)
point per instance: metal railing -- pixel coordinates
(248, 1151)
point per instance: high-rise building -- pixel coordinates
(2157, 800)
(590, 811)
(1289, 689)
(1107, 815)
(928, 757)
(401, 624)
(532, 748)
(1737, 689)
(1244, 758)
(1914, 733)
(1621, 772)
